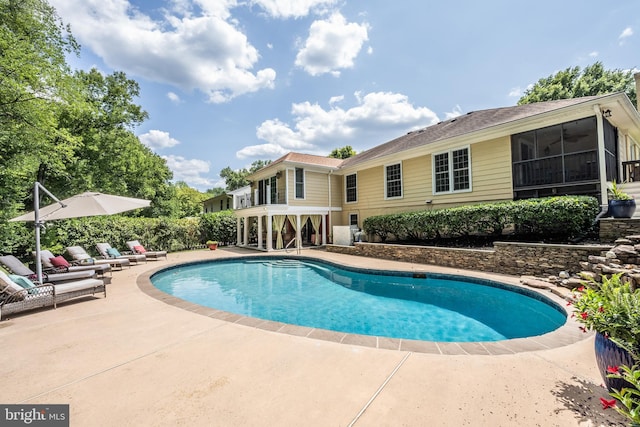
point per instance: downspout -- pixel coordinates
(329, 221)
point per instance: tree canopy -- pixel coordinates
(343, 153)
(235, 179)
(574, 82)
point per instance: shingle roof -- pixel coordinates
(309, 159)
(470, 122)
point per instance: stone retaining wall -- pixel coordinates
(612, 228)
(532, 259)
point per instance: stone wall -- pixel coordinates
(612, 228)
(532, 259)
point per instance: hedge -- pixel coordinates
(560, 218)
(157, 233)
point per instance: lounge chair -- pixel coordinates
(15, 266)
(59, 264)
(136, 248)
(79, 255)
(105, 250)
(15, 297)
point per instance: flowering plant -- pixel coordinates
(611, 308)
(629, 397)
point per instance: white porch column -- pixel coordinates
(604, 195)
(324, 229)
(269, 232)
(239, 241)
(260, 231)
(245, 240)
(298, 232)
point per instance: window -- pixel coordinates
(351, 187)
(299, 183)
(221, 205)
(452, 171)
(393, 181)
(353, 219)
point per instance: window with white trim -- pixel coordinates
(299, 177)
(351, 187)
(393, 181)
(452, 171)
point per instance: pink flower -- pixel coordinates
(601, 309)
(606, 404)
(581, 289)
(613, 370)
(584, 315)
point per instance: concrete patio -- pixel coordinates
(132, 359)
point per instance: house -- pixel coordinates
(218, 203)
(569, 146)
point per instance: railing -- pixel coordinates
(563, 169)
(286, 248)
(253, 201)
(631, 171)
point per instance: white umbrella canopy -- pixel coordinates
(81, 205)
(85, 204)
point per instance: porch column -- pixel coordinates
(245, 239)
(324, 229)
(239, 241)
(269, 232)
(260, 231)
(604, 196)
(298, 232)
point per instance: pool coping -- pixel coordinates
(567, 334)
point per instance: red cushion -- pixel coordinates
(59, 261)
(139, 249)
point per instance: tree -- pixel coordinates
(235, 179)
(343, 153)
(35, 81)
(574, 83)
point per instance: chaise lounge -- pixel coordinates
(136, 248)
(58, 264)
(15, 298)
(79, 255)
(105, 250)
(15, 266)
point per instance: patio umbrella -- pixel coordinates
(81, 205)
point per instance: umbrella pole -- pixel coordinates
(38, 224)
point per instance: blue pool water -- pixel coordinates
(310, 293)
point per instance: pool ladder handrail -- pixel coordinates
(286, 248)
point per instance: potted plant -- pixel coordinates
(621, 204)
(612, 309)
(212, 244)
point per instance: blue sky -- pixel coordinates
(228, 82)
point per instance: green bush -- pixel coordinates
(559, 218)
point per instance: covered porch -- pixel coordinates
(281, 227)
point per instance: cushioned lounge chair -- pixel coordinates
(136, 248)
(79, 255)
(15, 298)
(15, 266)
(107, 251)
(59, 264)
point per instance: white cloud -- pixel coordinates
(333, 44)
(377, 117)
(190, 171)
(157, 139)
(336, 99)
(515, 92)
(293, 8)
(626, 33)
(194, 46)
(173, 97)
(456, 112)
(593, 54)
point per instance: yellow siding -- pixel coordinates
(316, 187)
(491, 181)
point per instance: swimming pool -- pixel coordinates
(307, 292)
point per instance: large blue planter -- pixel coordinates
(609, 354)
(622, 208)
